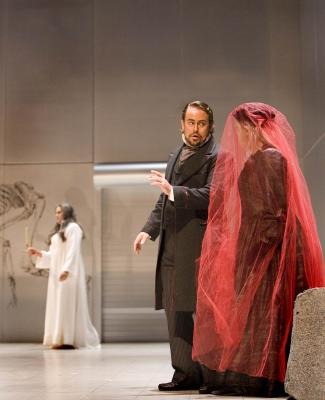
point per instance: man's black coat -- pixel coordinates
(190, 210)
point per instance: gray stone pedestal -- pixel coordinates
(305, 378)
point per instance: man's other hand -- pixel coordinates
(139, 241)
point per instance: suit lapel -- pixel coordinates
(171, 163)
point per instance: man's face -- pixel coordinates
(195, 126)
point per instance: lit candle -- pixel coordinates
(26, 237)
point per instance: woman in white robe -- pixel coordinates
(67, 321)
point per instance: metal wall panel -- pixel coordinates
(127, 279)
(137, 74)
(49, 81)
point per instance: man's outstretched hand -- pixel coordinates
(139, 242)
(156, 178)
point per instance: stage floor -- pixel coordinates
(116, 371)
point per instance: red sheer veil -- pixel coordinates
(260, 249)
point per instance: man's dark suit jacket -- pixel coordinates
(191, 192)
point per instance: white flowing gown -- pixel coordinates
(67, 318)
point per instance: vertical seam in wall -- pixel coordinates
(4, 130)
(315, 57)
(2, 7)
(96, 262)
(181, 46)
(302, 90)
(2, 55)
(268, 28)
(316, 45)
(4, 72)
(93, 81)
(5, 80)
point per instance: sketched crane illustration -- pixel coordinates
(18, 202)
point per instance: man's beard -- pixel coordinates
(196, 144)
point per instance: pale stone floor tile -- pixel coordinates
(115, 372)
(13, 396)
(57, 396)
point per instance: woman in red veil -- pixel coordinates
(260, 250)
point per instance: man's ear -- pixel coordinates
(182, 126)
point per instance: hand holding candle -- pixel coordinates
(33, 252)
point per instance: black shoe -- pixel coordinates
(177, 386)
(67, 347)
(62, 347)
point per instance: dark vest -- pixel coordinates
(168, 223)
(169, 212)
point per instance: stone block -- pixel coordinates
(305, 377)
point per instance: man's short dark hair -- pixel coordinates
(202, 106)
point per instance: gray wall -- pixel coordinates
(93, 81)
(313, 84)
(151, 57)
(49, 81)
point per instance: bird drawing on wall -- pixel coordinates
(18, 202)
